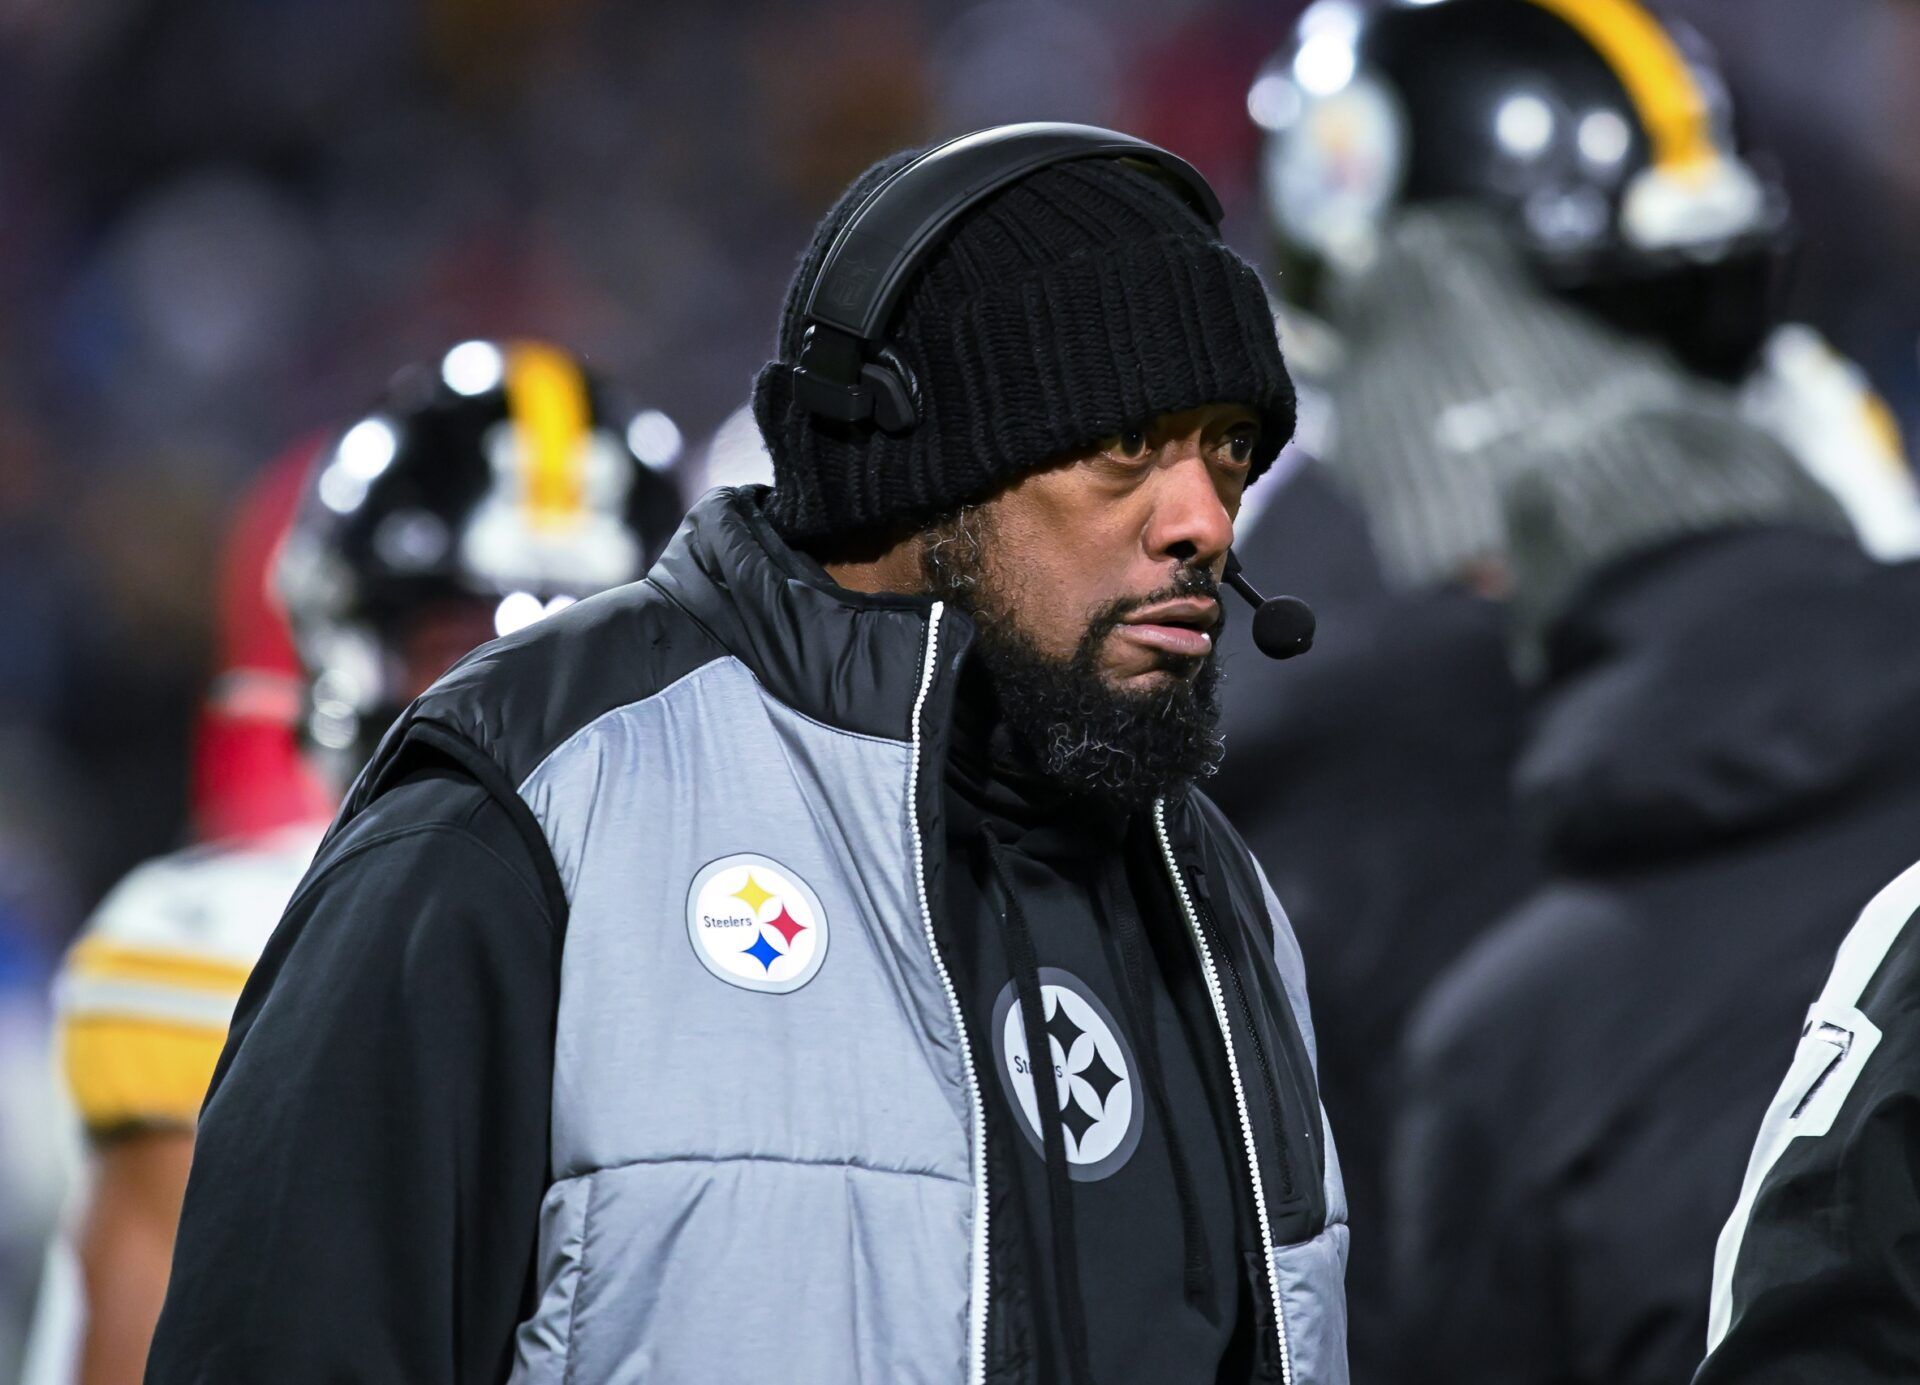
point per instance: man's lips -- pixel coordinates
(1180, 626)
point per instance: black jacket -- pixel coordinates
(1721, 772)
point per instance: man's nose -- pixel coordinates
(1190, 523)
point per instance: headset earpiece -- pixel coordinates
(829, 359)
(887, 394)
(893, 390)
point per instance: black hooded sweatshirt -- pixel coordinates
(1128, 1212)
(1721, 771)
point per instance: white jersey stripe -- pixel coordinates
(1834, 1048)
(93, 997)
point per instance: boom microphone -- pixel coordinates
(1282, 626)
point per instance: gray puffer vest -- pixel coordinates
(768, 1159)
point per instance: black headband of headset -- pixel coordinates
(869, 263)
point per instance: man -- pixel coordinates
(1813, 1276)
(361, 568)
(1719, 767)
(667, 1003)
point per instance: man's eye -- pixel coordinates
(1239, 447)
(1130, 443)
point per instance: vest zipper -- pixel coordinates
(977, 1307)
(1215, 994)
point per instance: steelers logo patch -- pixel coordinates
(1095, 1080)
(755, 924)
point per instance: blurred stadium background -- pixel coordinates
(224, 222)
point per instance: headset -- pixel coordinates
(847, 372)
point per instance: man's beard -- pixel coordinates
(1068, 723)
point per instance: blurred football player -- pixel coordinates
(1463, 195)
(488, 488)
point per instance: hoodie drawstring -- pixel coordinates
(1136, 997)
(1018, 941)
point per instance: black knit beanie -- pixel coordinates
(1086, 298)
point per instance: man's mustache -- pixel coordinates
(1190, 580)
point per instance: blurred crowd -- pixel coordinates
(224, 223)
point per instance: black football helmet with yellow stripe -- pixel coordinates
(1600, 135)
(487, 488)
